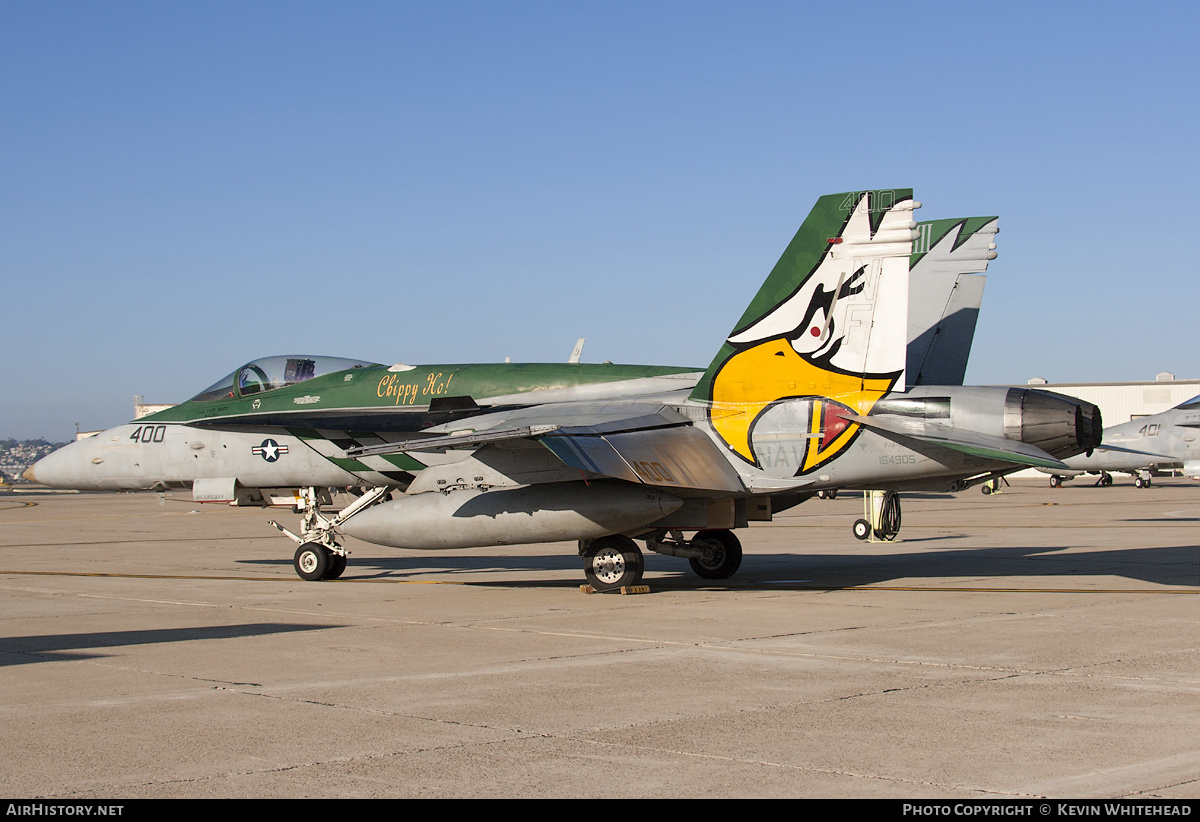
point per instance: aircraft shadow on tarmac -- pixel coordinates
(23, 650)
(1177, 565)
(1171, 565)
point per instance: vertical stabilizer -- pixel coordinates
(946, 283)
(828, 326)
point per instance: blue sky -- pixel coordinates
(185, 187)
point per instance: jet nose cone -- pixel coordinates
(59, 469)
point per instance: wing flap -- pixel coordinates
(676, 457)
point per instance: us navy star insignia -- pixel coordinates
(269, 450)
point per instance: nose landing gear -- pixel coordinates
(320, 556)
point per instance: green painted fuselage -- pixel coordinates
(380, 398)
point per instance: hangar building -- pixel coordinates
(1124, 401)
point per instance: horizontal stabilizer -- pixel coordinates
(966, 442)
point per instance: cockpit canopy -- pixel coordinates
(274, 372)
(1190, 405)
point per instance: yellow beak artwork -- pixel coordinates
(755, 378)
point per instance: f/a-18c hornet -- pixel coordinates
(807, 393)
(1142, 448)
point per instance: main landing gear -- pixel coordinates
(615, 561)
(320, 555)
(611, 562)
(721, 554)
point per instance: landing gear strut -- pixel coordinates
(320, 555)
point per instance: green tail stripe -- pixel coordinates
(938, 229)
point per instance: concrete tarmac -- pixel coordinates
(1033, 643)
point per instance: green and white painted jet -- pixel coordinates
(806, 394)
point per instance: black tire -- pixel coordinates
(987, 489)
(312, 561)
(862, 529)
(337, 566)
(613, 562)
(725, 560)
(1056, 481)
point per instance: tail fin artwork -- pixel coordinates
(945, 291)
(825, 335)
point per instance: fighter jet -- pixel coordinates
(1142, 448)
(806, 393)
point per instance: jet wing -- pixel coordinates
(966, 442)
(646, 443)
